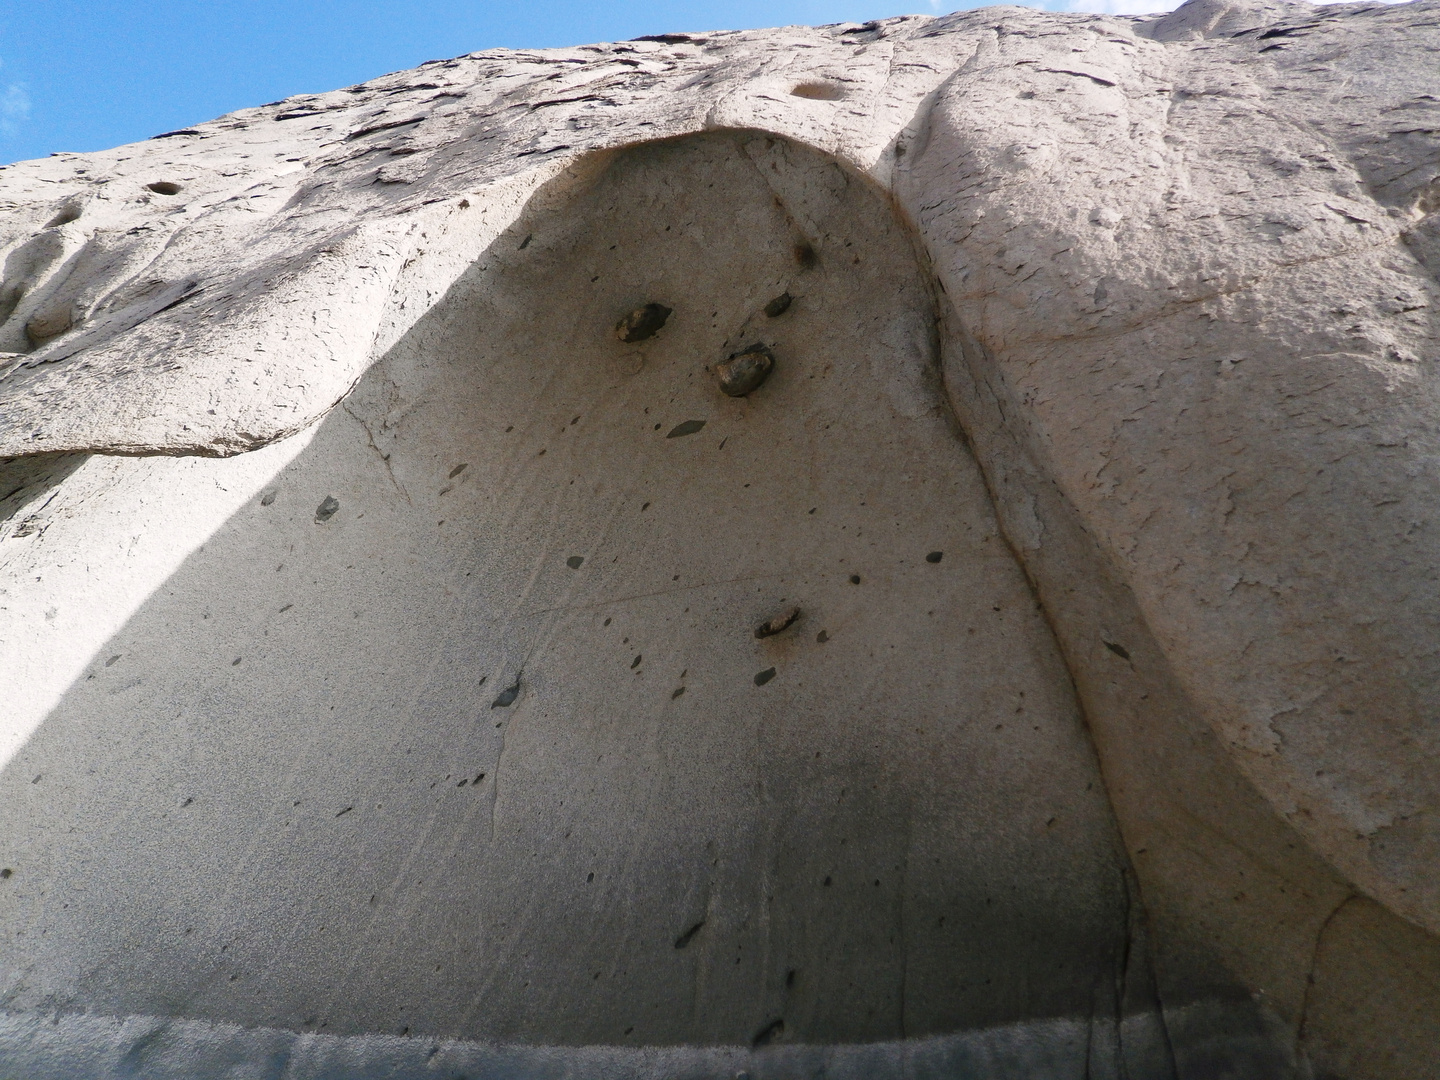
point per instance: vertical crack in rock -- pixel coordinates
(1312, 972)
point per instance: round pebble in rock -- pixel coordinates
(745, 370)
(642, 323)
(777, 307)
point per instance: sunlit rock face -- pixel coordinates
(887, 550)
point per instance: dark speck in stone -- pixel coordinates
(689, 427)
(507, 696)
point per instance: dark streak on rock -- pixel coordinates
(689, 935)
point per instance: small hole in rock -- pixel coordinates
(778, 622)
(779, 305)
(164, 187)
(64, 217)
(689, 427)
(818, 91)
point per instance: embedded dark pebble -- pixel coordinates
(689, 935)
(765, 676)
(268, 498)
(458, 469)
(642, 323)
(777, 307)
(746, 370)
(164, 187)
(689, 427)
(326, 510)
(677, 693)
(777, 623)
(854, 579)
(935, 556)
(574, 561)
(5, 873)
(805, 255)
(822, 637)
(1118, 650)
(507, 696)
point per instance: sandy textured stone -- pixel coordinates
(328, 477)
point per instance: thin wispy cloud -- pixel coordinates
(14, 107)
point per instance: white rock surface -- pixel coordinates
(1134, 320)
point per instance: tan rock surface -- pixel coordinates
(1130, 321)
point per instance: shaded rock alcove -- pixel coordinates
(459, 728)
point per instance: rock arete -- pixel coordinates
(893, 550)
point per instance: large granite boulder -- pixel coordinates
(903, 549)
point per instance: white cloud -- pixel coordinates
(14, 108)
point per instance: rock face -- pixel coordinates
(425, 655)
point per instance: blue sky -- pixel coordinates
(84, 75)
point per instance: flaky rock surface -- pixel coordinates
(1131, 321)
